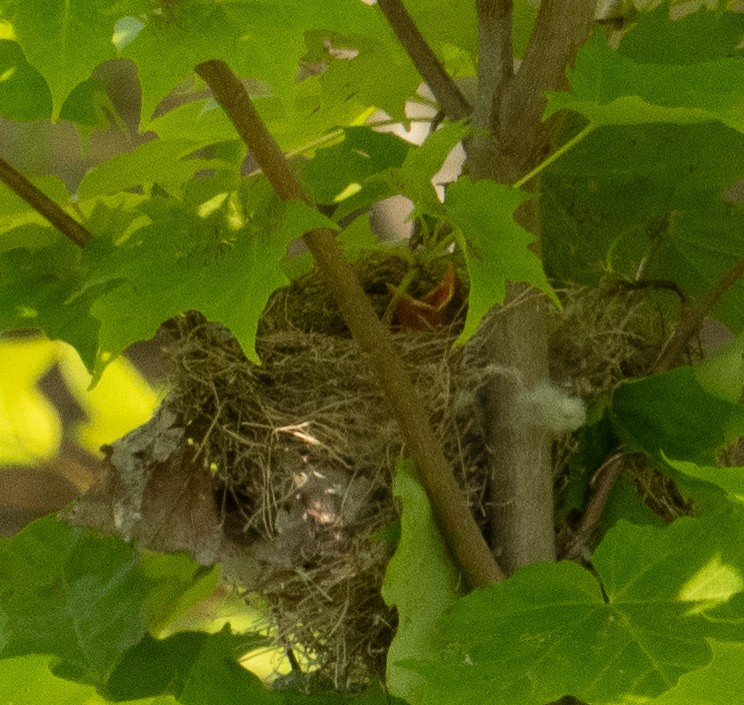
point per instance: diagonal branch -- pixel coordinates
(445, 90)
(374, 340)
(577, 545)
(694, 318)
(43, 205)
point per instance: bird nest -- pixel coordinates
(295, 456)
(302, 449)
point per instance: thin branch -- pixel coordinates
(375, 341)
(604, 480)
(694, 318)
(43, 205)
(445, 90)
(495, 56)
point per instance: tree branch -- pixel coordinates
(43, 205)
(495, 56)
(694, 318)
(576, 546)
(374, 340)
(562, 26)
(520, 464)
(445, 90)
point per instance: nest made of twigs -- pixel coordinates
(303, 446)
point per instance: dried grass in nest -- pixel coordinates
(303, 446)
(604, 335)
(303, 449)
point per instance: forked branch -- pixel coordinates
(693, 318)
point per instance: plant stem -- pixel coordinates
(554, 156)
(43, 205)
(374, 340)
(577, 546)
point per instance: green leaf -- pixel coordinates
(549, 630)
(173, 665)
(613, 205)
(713, 684)
(421, 581)
(28, 680)
(722, 374)
(731, 480)
(496, 248)
(414, 178)
(183, 262)
(671, 413)
(88, 105)
(361, 154)
(697, 250)
(177, 36)
(179, 584)
(379, 73)
(165, 162)
(38, 284)
(217, 677)
(68, 593)
(611, 89)
(446, 24)
(705, 35)
(64, 39)
(15, 211)
(24, 94)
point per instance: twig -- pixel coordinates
(43, 205)
(449, 504)
(445, 90)
(602, 484)
(694, 318)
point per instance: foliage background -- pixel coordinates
(641, 183)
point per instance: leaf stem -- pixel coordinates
(375, 341)
(555, 156)
(43, 205)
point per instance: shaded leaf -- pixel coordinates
(612, 89)
(713, 684)
(361, 154)
(159, 667)
(163, 162)
(421, 581)
(549, 630)
(672, 413)
(50, 34)
(38, 287)
(24, 94)
(185, 262)
(71, 594)
(705, 35)
(88, 105)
